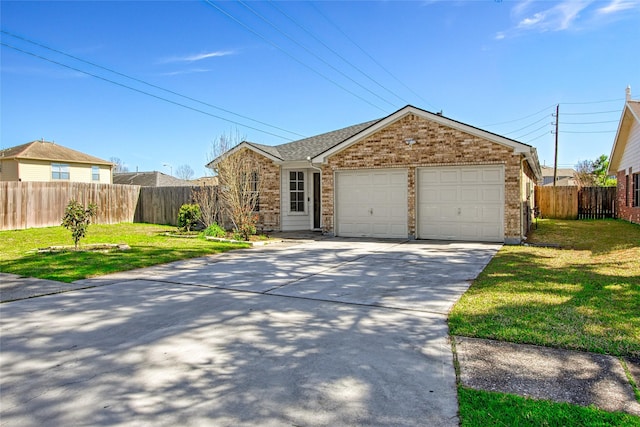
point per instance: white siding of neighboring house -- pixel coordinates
(295, 220)
(631, 155)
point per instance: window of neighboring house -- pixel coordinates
(296, 191)
(59, 171)
(95, 173)
(636, 189)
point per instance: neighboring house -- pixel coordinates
(149, 179)
(625, 161)
(564, 177)
(205, 180)
(412, 174)
(48, 161)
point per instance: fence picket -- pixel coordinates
(576, 203)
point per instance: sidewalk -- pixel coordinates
(546, 373)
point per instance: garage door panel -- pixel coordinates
(380, 208)
(473, 194)
(470, 175)
(461, 203)
(449, 177)
(492, 176)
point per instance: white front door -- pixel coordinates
(371, 203)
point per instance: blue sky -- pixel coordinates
(283, 70)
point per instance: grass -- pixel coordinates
(148, 242)
(583, 295)
(483, 408)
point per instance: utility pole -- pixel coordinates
(555, 161)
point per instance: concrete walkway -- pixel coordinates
(546, 373)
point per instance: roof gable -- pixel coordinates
(49, 151)
(529, 151)
(630, 114)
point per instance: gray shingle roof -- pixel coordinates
(312, 146)
(149, 179)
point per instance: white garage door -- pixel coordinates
(371, 203)
(461, 203)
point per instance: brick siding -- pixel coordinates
(436, 145)
(624, 198)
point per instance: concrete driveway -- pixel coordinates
(324, 333)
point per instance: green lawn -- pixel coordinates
(148, 242)
(483, 409)
(583, 295)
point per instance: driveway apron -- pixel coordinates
(333, 332)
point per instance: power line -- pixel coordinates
(593, 131)
(310, 52)
(345, 60)
(589, 123)
(535, 130)
(592, 102)
(369, 55)
(538, 137)
(145, 83)
(248, 28)
(143, 92)
(593, 112)
(527, 126)
(520, 119)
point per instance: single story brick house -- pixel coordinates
(624, 161)
(412, 174)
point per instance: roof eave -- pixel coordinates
(529, 151)
(240, 146)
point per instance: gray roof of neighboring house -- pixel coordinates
(562, 172)
(149, 179)
(50, 151)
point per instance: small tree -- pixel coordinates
(240, 183)
(184, 172)
(118, 165)
(593, 173)
(206, 196)
(77, 219)
(188, 216)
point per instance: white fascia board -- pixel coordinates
(517, 146)
(520, 148)
(244, 144)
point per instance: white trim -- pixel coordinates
(520, 148)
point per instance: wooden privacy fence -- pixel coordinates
(576, 203)
(160, 205)
(597, 202)
(42, 204)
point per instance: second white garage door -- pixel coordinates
(461, 203)
(371, 203)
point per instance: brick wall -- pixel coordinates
(624, 198)
(436, 145)
(269, 214)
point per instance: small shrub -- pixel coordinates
(188, 216)
(214, 230)
(77, 219)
